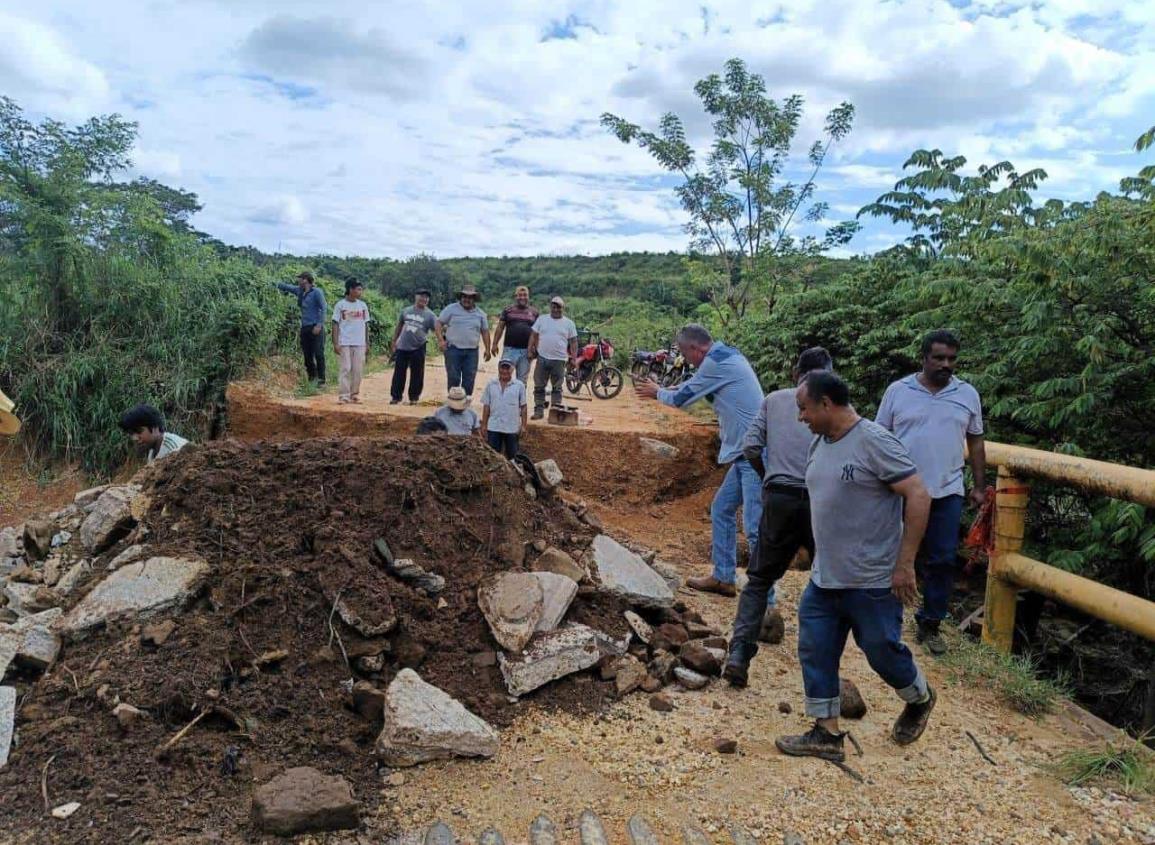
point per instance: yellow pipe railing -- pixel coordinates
(1010, 570)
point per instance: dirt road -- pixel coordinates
(634, 759)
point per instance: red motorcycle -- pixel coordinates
(593, 369)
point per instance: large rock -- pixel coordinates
(128, 556)
(422, 723)
(625, 574)
(7, 722)
(138, 588)
(557, 561)
(853, 705)
(700, 659)
(558, 592)
(302, 800)
(72, 578)
(30, 641)
(85, 498)
(689, 678)
(550, 656)
(38, 538)
(512, 603)
(658, 448)
(550, 475)
(9, 545)
(110, 518)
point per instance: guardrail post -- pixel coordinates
(1011, 496)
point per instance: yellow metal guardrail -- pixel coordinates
(1010, 571)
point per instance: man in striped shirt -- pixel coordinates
(145, 425)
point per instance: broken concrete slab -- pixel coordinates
(512, 603)
(38, 538)
(71, 579)
(658, 448)
(7, 722)
(625, 574)
(9, 545)
(303, 799)
(550, 656)
(668, 573)
(138, 588)
(549, 474)
(128, 556)
(639, 626)
(30, 642)
(423, 723)
(110, 518)
(88, 497)
(557, 561)
(558, 592)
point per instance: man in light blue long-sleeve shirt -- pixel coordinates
(726, 380)
(311, 300)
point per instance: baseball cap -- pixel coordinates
(557, 300)
(505, 362)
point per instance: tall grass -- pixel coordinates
(1013, 678)
(1130, 767)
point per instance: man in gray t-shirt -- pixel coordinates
(868, 508)
(776, 445)
(460, 327)
(413, 328)
(456, 415)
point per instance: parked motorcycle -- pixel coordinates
(593, 369)
(649, 364)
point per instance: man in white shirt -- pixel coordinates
(145, 425)
(503, 414)
(350, 339)
(553, 343)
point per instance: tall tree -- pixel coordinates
(742, 205)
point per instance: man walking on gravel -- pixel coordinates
(868, 508)
(460, 327)
(933, 412)
(552, 343)
(516, 325)
(413, 327)
(724, 378)
(785, 525)
(311, 300)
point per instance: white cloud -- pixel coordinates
(472, 128)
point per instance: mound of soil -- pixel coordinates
(288, 529)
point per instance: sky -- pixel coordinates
(472, 128)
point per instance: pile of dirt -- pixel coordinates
(289, 531)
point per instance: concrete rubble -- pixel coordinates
(625, 574)
(109, 519)
(137, 588)
(560, 563)
(550, 656)
(7, 722)
(422, 723)
(558, 593)
(30, 642)
(512, 603)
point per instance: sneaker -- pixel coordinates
(736, 673)
(927, 634)
(816, 742)
(911, 722)
(773, 627)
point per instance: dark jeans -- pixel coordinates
(502, 443)
(940, 554)
(413, 362)
(313, 348)
(547, 370)
(782, 531)
(825, 617)
(461, 368)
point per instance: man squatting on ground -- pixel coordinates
(932, 412)
(785, 525)
(311, 301)
(869, 510)
(724, 378)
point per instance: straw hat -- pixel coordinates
(468, 290)
(9, 422)
(457, 399)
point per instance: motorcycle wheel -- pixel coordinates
(670, 378)
(573, 383)
(607, 382)
(640, 370)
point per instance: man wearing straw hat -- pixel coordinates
(456, 415)
(460, 327)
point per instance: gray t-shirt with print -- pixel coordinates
(416, 324)
(857, 518)
(458, 422)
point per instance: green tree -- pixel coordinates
(741, 203)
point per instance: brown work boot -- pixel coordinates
(710, 584)
(912, 721)
(816, 742)
(773, 627)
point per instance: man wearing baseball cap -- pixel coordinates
(516, 325)
(552, 343)
(503, 411)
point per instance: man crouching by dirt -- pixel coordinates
(725, 379)
(785, 526)
(145, 425)
(869, 510)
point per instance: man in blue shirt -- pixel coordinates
(726, 380)
(311, 300)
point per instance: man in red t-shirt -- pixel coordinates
(516, 325)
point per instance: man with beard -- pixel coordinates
(933, 412)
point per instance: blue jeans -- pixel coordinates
(741, 486)
(521, 362)
(461, 368)
(940, 550)
(825, 617)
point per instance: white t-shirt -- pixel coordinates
(554, 336)
(351, 319)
